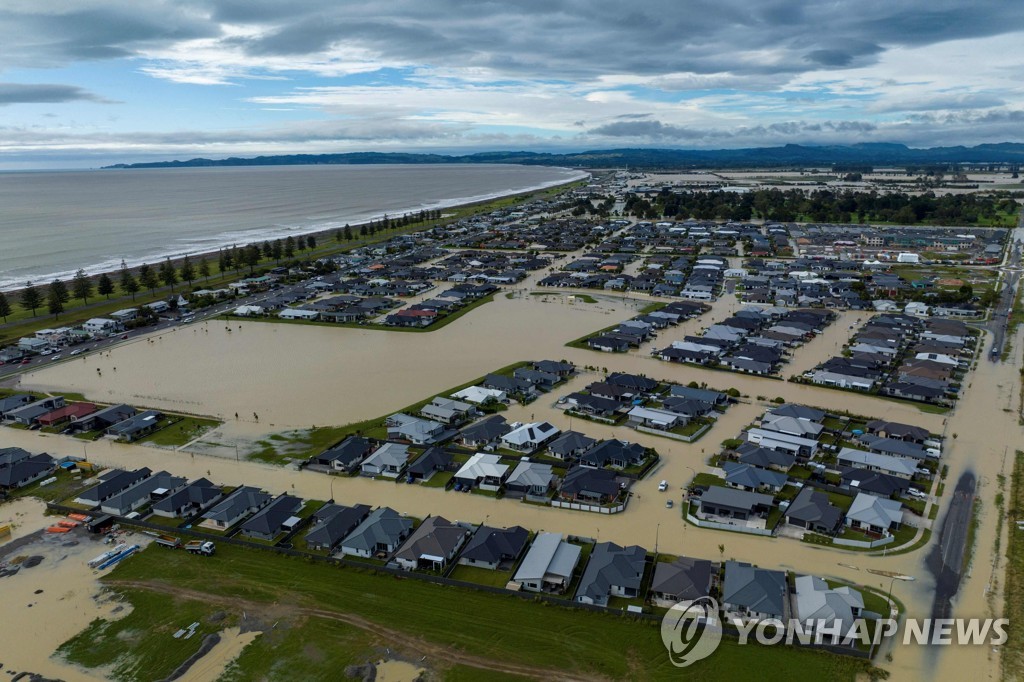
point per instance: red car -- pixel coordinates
(26, 361)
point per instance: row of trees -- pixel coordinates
(827, 205)
(58, 293)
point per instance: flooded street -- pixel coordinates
(300, 376)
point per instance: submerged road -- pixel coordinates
(946, 560)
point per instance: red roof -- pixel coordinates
(70, 411)
(417, 313)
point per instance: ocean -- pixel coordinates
(53, 223)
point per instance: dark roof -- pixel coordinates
(570, 441)
(268, 520)
(199, 492)
(611, 565)
(488, 429)
(613, 450)
(349, 451)
(812, 506)
(583, 479)
(433, 459)
(757, 589)
(335, 522)
(25, 469)
(684, 578)
(632, 381)
(493, 545)
(874, 482)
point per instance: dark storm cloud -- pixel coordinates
(655, 130)
(570, 39)
(37, 93)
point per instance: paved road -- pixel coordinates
(946, 559)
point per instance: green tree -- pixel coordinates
(363, 230)
(81, 286)
(148, 278)
(188, 271)
(278, 250)
(129, 284)
(222, 261)
(168, 275)
(55, 297)
(311, 242)
(31, 298)
(204, 268)
(348, 233)
(5, 306)
(300, 244)
(105, 285)
(61, 290)
(338, 236)
(289, 247)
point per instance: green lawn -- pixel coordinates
(481, 576)
(439, 479)
(577, 642)
(180, 430)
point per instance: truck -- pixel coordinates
(200, 547)
(168, 541)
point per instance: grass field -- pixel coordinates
(462, 622)
(1012, 656)
(180, 431)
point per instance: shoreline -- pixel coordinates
(259, 235)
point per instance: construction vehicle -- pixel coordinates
(168, 541)
(201, 547)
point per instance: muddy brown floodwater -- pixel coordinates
(300, 376)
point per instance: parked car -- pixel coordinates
(668, 503)
(663, 486)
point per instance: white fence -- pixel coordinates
(727, 526)
(595, 508)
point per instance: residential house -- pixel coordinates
(589, 486)
(612, 571)
(240, 503)
(448, 411)
(654, 418)
(813, 511)
(752, 593)
(189, 500)
(332, 522)
(614, 453)
(874, 515)
(492, 548)
(111, 482)
(134, 428)
(485, 432)
(28, 414)
(378, 535)
(484, 471)
(820, 607)
(530, 479)
(529, 437)
(108, 416)
(570, 445)
(346, 456)
(145, 491)
(26, 471)
(731, 503)
(432, 546)
(682, 581)
(434, 459)
(548, 565)
(479, 395)
(874, 482)
(389, 461)
(756, 479)
(417, 431)
(886, 464)
(275, 518)
(13, 402)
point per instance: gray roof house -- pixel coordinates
(389, 460)
(493, 547)
(332, 522)
(26, 471)
(136, 427)
(151, 488)
(530, 479)
(614, 453)
(749, 477)
(753, 593)
(434, 459)
(731, 503)
(818, 605)
(483, 470)
(108, 416)
(27, 414)
(548, 565)
(193, 498)
(612, 571)
(874, 514)
(432, 546)
(812, 510)
(415, 430)
(570, 445)
(378, 535)
(111, 482)
(682, 581)
(13, 402)
(448, 411)
(235, 507)
(276, 518)
(589, 486)
(11, 456)
(346, 455)
(530, 437)
(484, 432)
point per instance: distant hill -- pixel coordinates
(877, 154)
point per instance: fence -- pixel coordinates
(674, 436)
(595, 508)
(866, 544)
(727, 526)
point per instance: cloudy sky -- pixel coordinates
(86, 82)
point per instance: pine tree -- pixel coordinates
(188, 271)
(5, 306)
(311, 242)
(168, 275)
(147, 278)
(222, 261)
(105, 285)
(204, 268)
(363, 230)
(348, 234)
(277, 250)
(338, 236)
(55, 296)
(129, 284)
(268, 250)
(289, 247)
(300, 244)
(31, 298)
(252, 257)
(81, 285)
